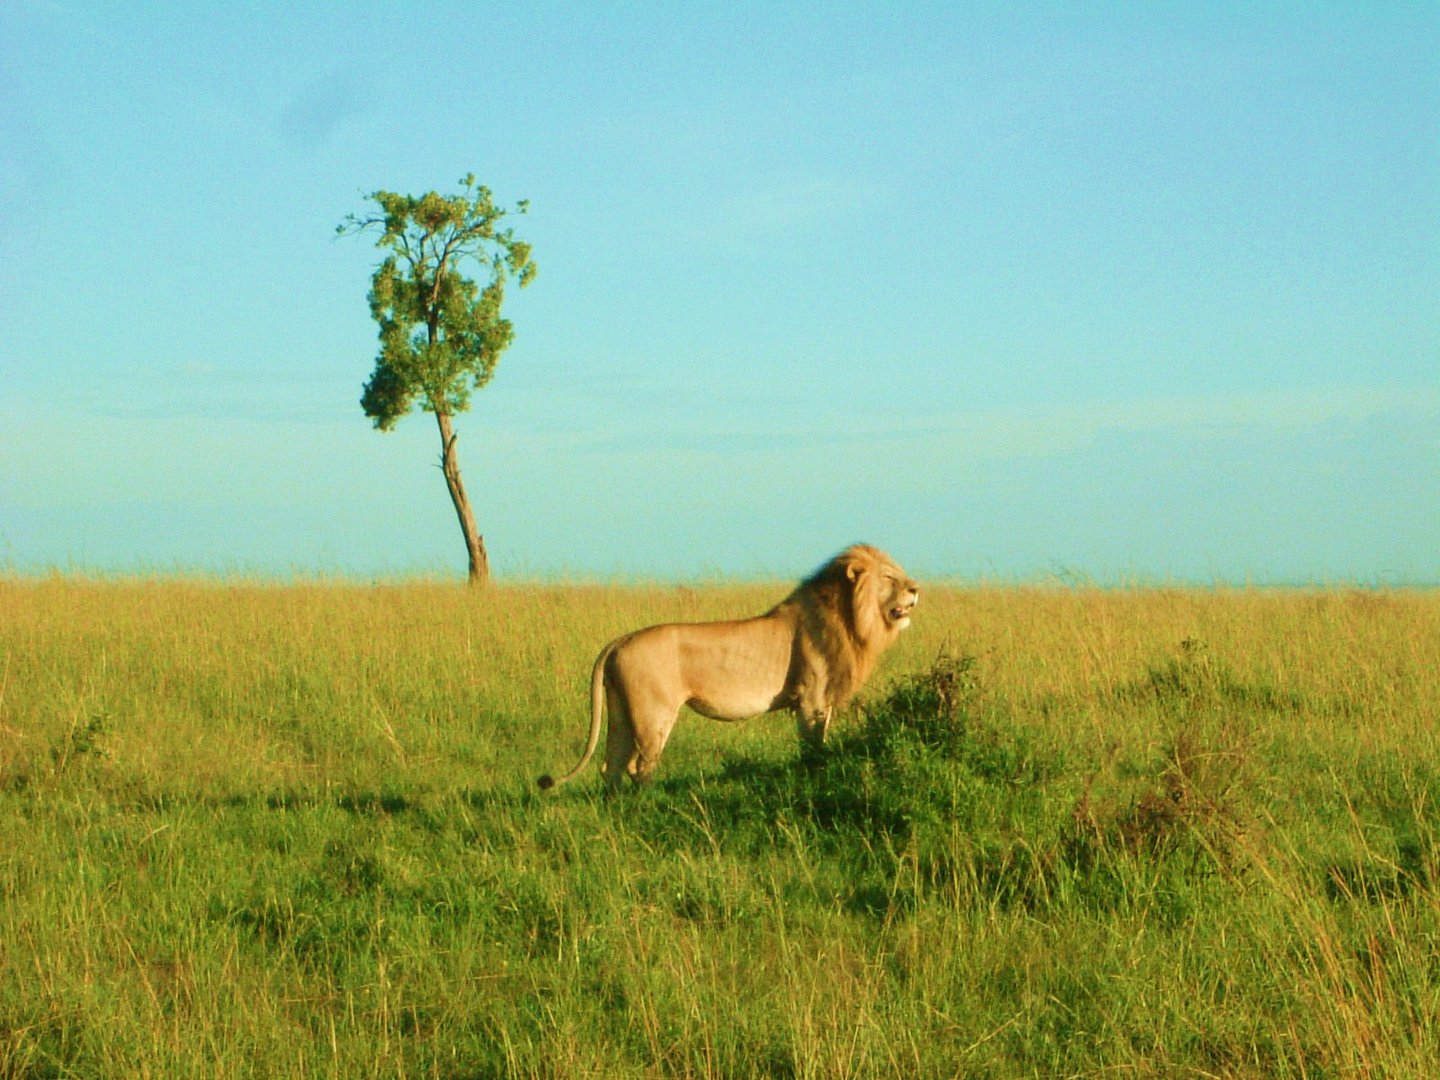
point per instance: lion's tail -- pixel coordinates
(597, 711)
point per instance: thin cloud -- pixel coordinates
(792, 205)
(316, 113)
(686, 426)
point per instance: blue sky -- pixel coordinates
(1015, 291)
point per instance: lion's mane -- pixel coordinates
(842, 622)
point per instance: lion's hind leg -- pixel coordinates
(636, 738)
(619, 739)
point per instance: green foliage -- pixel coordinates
(1193, 678)
(441, 333)
(80, 740)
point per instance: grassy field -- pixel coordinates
(252, 830)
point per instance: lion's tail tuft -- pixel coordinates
(597, 707)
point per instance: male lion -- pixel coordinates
(809, 654)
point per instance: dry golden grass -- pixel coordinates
(252, 829)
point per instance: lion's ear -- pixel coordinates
(853, 570)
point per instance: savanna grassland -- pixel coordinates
(272, 831)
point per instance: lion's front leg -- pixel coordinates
(812, 724)
(812, 713)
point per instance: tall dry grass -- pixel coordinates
(249, 829)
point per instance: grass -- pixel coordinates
(252, 830)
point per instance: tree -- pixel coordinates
(441, 333)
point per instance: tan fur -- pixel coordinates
(809, 654)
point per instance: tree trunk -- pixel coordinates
(450, 466)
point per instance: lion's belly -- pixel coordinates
(726, 671)
(736, 676)
(736, 704)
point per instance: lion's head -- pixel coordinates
(856, 605)
(884, 595)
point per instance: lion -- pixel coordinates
(809, 654)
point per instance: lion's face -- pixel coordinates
(898, 596)
(885, 596)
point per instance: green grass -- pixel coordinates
(252, 830)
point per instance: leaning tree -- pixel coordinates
(441, 332)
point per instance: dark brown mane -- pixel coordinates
(840, 618)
